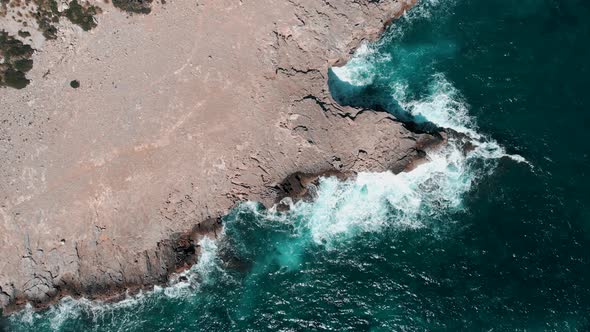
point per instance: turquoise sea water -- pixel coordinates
(495, 240)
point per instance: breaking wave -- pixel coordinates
(360, 69)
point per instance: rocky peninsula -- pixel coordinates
(134, 138)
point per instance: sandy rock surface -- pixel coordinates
(180, 114)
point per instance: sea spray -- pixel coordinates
(360, 69)
(199, 273)
(442, 106)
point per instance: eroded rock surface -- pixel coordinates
(180, 114)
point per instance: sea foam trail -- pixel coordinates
(444, 107)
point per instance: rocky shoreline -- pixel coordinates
(101, 183)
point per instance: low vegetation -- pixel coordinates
(82, 15)
(134, 6)
(15, 61)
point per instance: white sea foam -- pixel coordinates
(70, 309)
(185, 283)
(360, 69)
(371, 201)
(442, 106)
(342, 210)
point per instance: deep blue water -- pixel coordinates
(495, 240)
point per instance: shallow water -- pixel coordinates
(495, 239)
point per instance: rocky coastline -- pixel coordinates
(108, 188)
